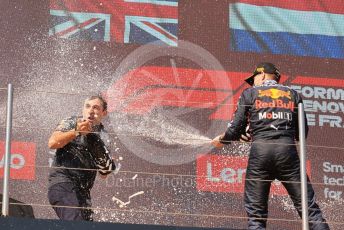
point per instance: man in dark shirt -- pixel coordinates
(80, 153)
(270, 110)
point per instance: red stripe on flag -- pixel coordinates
(328, 6)
(80, 26)
(161, 31)
(117, 25)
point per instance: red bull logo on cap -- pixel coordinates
(274, 93)
(259, 70)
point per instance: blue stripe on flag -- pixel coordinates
(287, 43)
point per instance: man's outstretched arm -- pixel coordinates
(237, 127)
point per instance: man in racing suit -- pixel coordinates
(270, 110)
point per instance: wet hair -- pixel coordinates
(99, 97)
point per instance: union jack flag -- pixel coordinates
(120, 21)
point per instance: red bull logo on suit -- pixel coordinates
(274, 93)
(275, 104)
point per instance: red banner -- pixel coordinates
(216, 173)
(22, 163)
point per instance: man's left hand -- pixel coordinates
(216, 142)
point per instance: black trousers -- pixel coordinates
(276, 159)
(66, 198)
